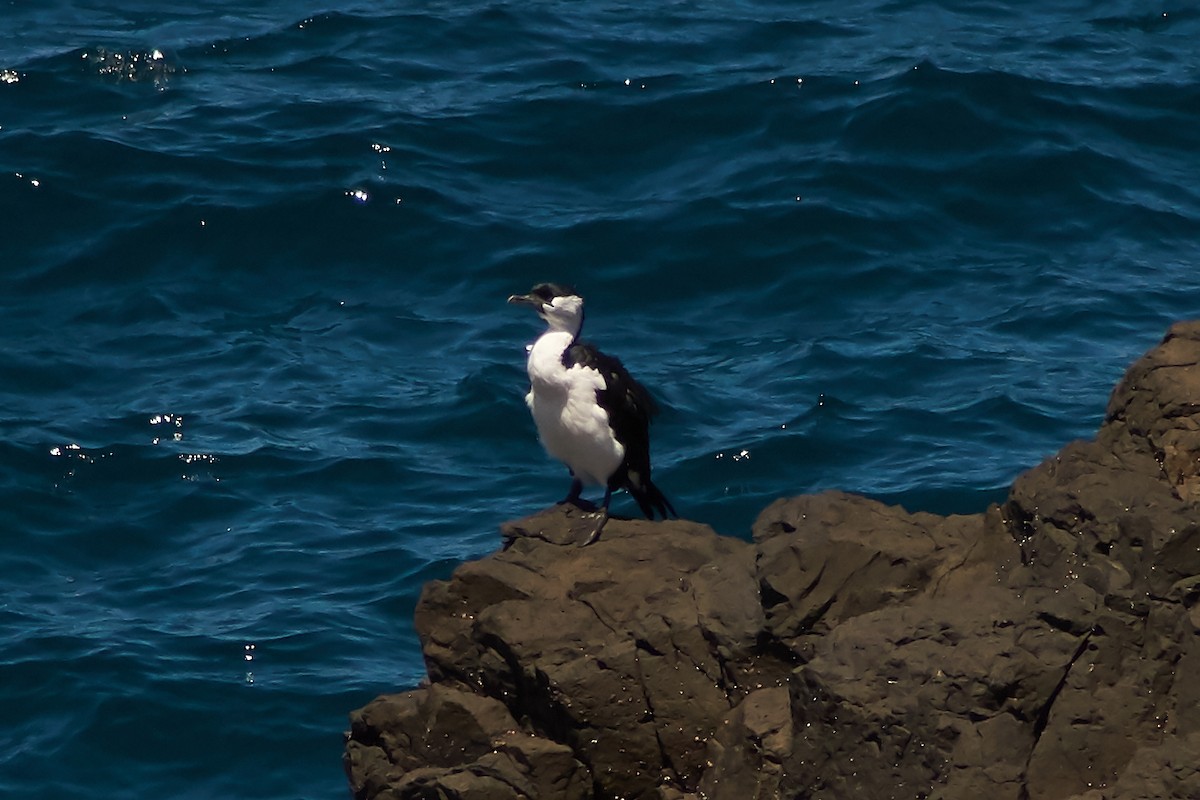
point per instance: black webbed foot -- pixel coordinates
(595, 534)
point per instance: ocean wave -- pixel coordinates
(262, 383)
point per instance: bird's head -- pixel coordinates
(558, 305)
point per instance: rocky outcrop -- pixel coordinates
(1047, 648)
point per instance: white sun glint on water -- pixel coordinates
(172, 422)
(248, 655)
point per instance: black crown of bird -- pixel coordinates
(589, 411)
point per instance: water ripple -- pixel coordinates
(262, 384)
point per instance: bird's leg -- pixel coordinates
(603, 518)
(572, 497)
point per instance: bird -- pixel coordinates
(589, 411)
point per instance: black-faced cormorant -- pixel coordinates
(589, 411)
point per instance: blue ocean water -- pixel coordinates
(260, 382)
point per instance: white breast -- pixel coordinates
(573, 427)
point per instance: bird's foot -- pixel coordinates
(595, 534)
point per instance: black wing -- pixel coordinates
(629, 405)
(630, 408)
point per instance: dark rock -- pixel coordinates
(1047, 648)
(442, 742)
(629, 654)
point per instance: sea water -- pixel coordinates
(260, 382)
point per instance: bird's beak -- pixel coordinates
(523, 300)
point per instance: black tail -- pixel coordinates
(650, 499)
